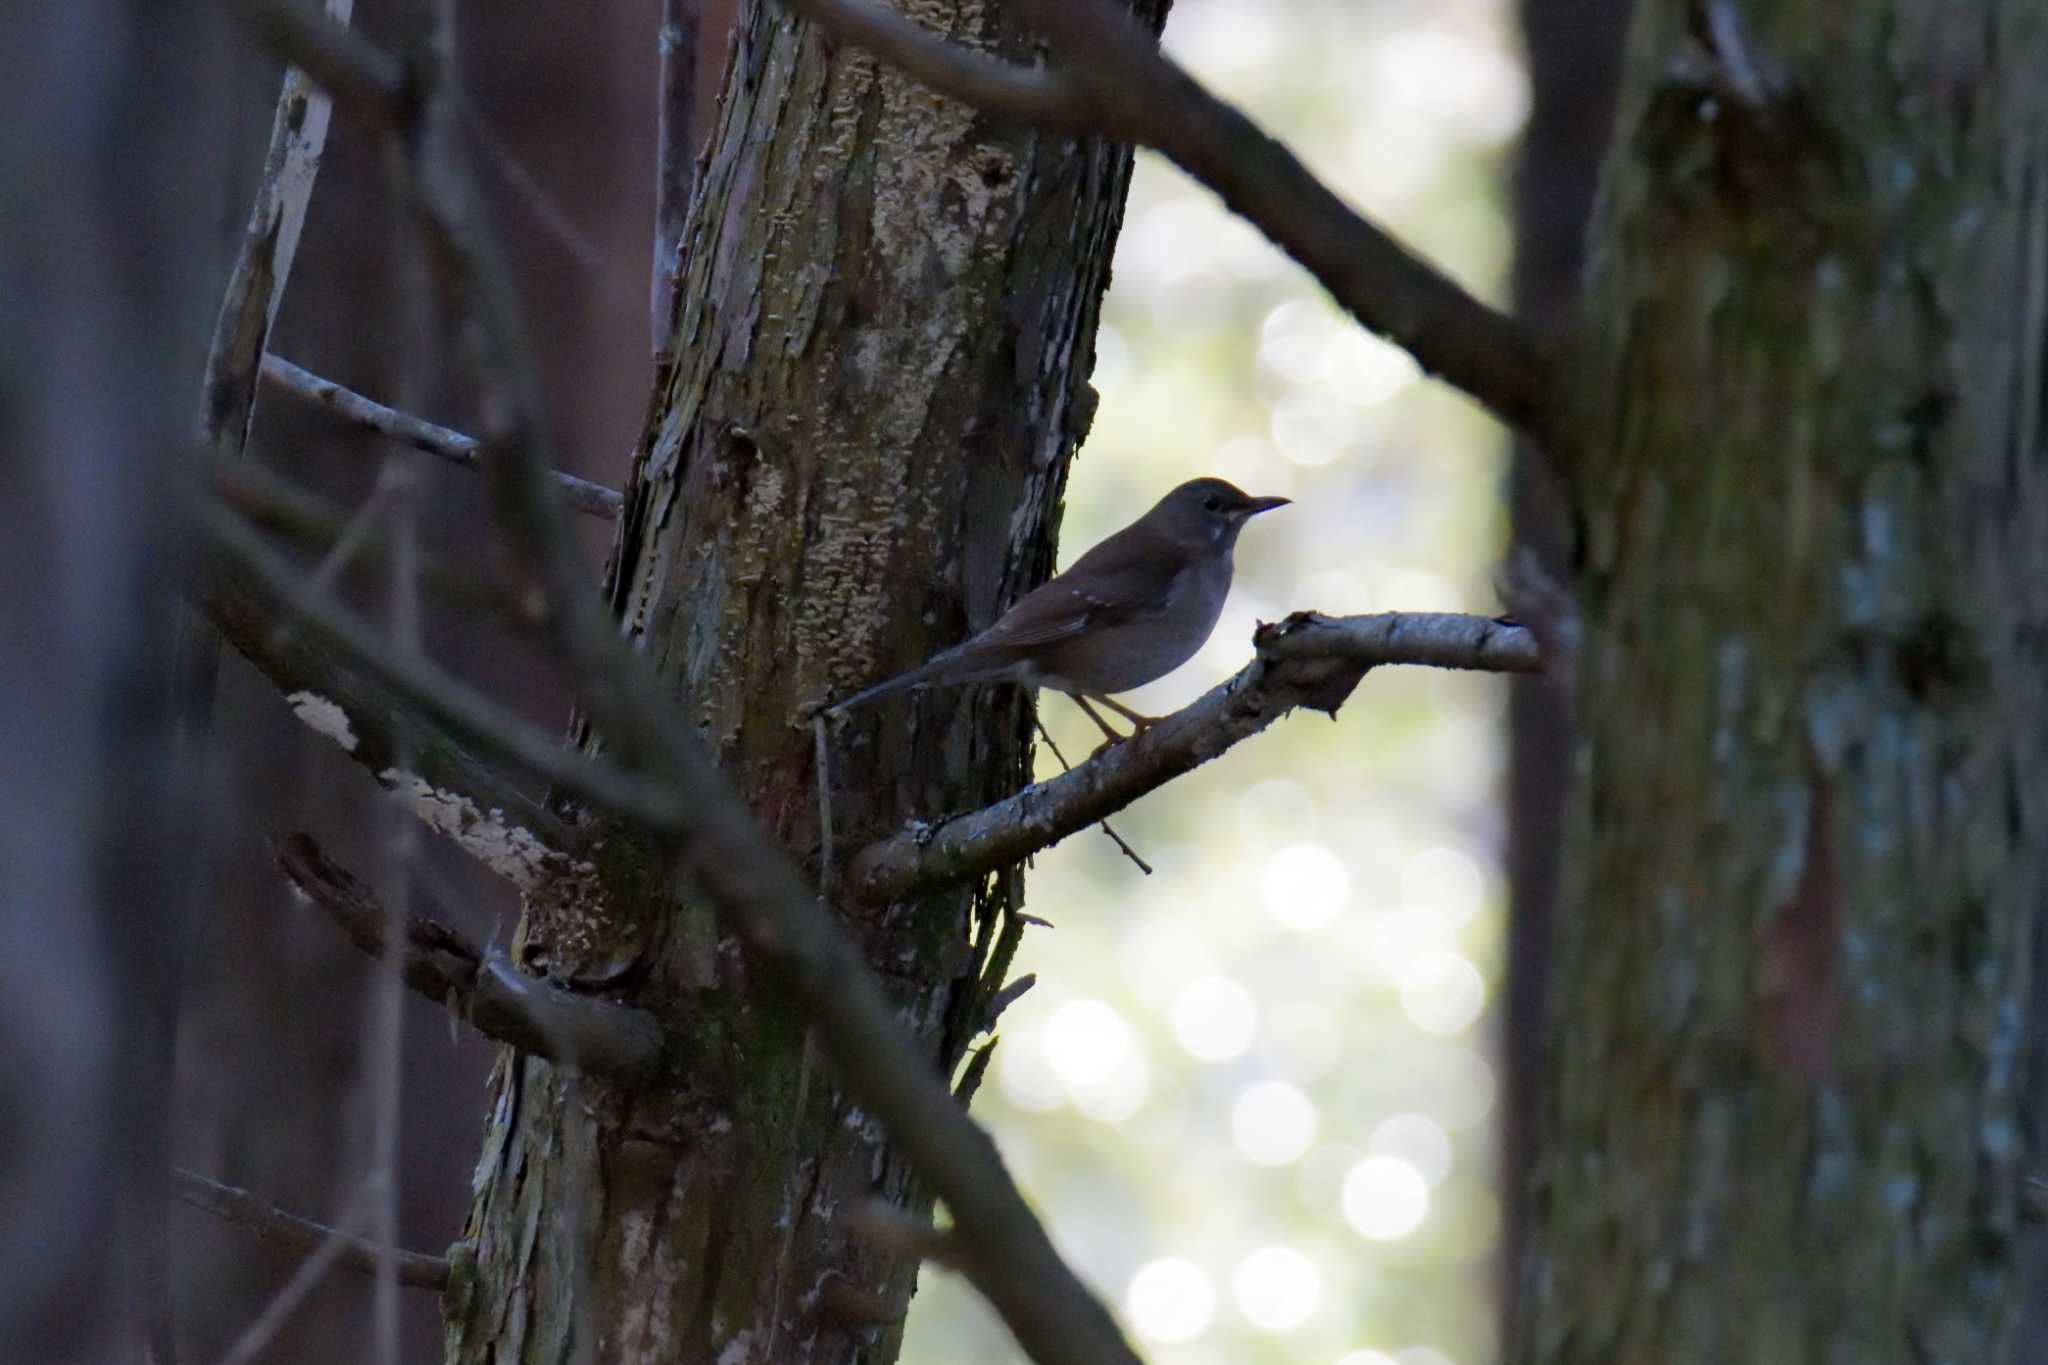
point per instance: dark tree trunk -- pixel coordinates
(1574, 65)
(1792, 953)
(887, 318)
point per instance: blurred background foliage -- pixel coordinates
(1254, 1093)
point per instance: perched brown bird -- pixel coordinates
(1132, 609)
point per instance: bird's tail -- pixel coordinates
(899, 683)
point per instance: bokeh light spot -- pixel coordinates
(1442, 992)
(1085, 1040)
(1416, 1139)
(1365, 1358)
(1170, 1300)
(1273, 1123)
(1120, 1094)
(1277, 1288)
(1385, 1198)
(1026, 1075)
(1214, 1018)
(1305, 886)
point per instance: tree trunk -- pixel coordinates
(1792, 974)
(887, 318)
(1574, 56)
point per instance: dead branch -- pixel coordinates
(273, 1224)
(480, 986)
(1306, 660)
(298, 135)
(1107, 76)
(349, 406)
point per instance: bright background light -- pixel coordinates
(1273, 1122)
(1277, 1288)
(1170, 1300)
(1385, 1198)
(1253, 1095)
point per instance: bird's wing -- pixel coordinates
(1113, 583)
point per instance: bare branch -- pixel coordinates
(1027, 93)
(378, 727)
(453, 446)
(1306, 660)
(298, 135)
(365, 82)
(263, 582)
(481, 987)
(273, 1224)
(1109, 77)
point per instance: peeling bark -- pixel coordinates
(887, 315)
(1812, 516)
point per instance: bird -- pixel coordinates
(1132, 609)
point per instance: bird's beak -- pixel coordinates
(1258, 505)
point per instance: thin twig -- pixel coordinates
(358, 531)
(453, 446)
(545, 208)
(1108, 77)
(273, 1224)
(1067, 767)
(385, 1009)
(1305, 661)
(303, 1280)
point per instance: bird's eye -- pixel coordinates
(1212, 503)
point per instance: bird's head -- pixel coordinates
(1207, 512)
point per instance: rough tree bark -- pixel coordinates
(886, 321)
(1807, 846)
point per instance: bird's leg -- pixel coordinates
(1112, 736)
(1139, 722)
